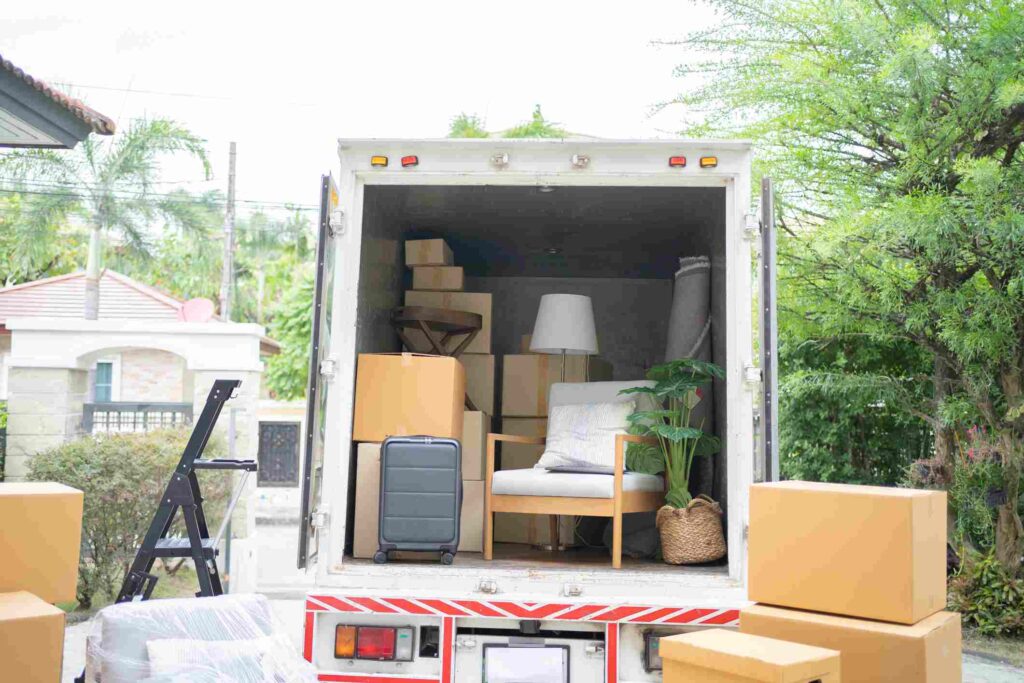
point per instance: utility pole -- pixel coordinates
(227, 278)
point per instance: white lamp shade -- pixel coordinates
(565, 324)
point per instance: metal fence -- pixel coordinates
(125, 416)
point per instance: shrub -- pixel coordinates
(988, 597)
(123, 477)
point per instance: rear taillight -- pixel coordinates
(345, 642)
(374, 642)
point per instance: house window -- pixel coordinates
(103, 387)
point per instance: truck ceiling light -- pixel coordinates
(411, 160)
(580, 160)
(677, 162)
(344, 642)
(708, 162)
(375, 642)
(500, 159)
(378, 160)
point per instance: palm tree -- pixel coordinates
(110, 184)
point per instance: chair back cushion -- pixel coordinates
(568, 393)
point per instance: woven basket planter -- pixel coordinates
(693, 534)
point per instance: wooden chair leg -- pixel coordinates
(617, 541)
(553, 532)
(488, 531)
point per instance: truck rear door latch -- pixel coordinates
(594, 650)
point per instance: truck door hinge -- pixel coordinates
(488, 586)
(328, 367)
(465, 643)
(572, 590)
(595, 650)
(336, 223)
(318, 520)
(751, 227)
(752, 375)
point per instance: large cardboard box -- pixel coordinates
(859, 551)
(473, 302)
(435, 252)
(475, 427)
(725, 656)
(480, 380)
(367, 507)
(515, 456)
(526, 379)
(31, 639)
(40, 539)
(438, 278)
(869, 651)
(406, 394)
(471, 521)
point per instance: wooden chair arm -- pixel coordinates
(513, 438)
(635, 438)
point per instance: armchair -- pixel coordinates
(539, 492)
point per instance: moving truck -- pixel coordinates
(523, 217)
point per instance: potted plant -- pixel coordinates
(690, 528)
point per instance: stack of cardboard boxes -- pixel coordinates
(40, 538)
(857, 570)
(410, 394)
(525, 381)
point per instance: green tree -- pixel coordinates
(894, 130)
(110, 184)
(536, 127)
(467, 126)
(292, 326)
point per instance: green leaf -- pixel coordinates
(678, 497)
(676, 434)
(652, 416)
(644, 458)
(639, 390)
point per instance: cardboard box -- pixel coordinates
(366, 524)
(524, 343)
(480, 380)
(515, 456)
(405, 394)
(869, 651)
(31, 639)
(859, 551)
(526, 379)
(40, 539)
(471, 521)
(367, 509)
(438, 278)
(473, 302)
(725, 656)
(435, 252)
(475, 427)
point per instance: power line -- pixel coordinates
(187, 95)
(127, 194)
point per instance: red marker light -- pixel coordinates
(677, 162)
(410, 161)
(374, 642)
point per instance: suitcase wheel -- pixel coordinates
(381, 557)
(447, 558)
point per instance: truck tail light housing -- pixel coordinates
(375, 642)
(378, 160)
(345, 642)
(677, 161)
(410, 160)
(708, 162)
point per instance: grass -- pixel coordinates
(181, 584)
(1008, 650)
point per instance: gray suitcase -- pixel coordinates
(420, 496)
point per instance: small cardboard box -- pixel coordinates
(526, 379)
(725, 656)
(869, 651)
(473, 302)
(480, 380)
(367, 508)
(471, 521)
(40, 539)
(406, 394)
(31, 639)
(438, 278)
(475, 427)
(859, 551)
(435, 252)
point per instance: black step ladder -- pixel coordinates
(183, 493)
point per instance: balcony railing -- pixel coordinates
(126, 416)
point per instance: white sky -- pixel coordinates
(286, 83)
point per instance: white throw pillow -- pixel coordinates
(584, 434)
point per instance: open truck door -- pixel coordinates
(766, 467)
(320, 369)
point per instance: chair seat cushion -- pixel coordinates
(540, 482)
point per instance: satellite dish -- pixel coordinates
(196, 311)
